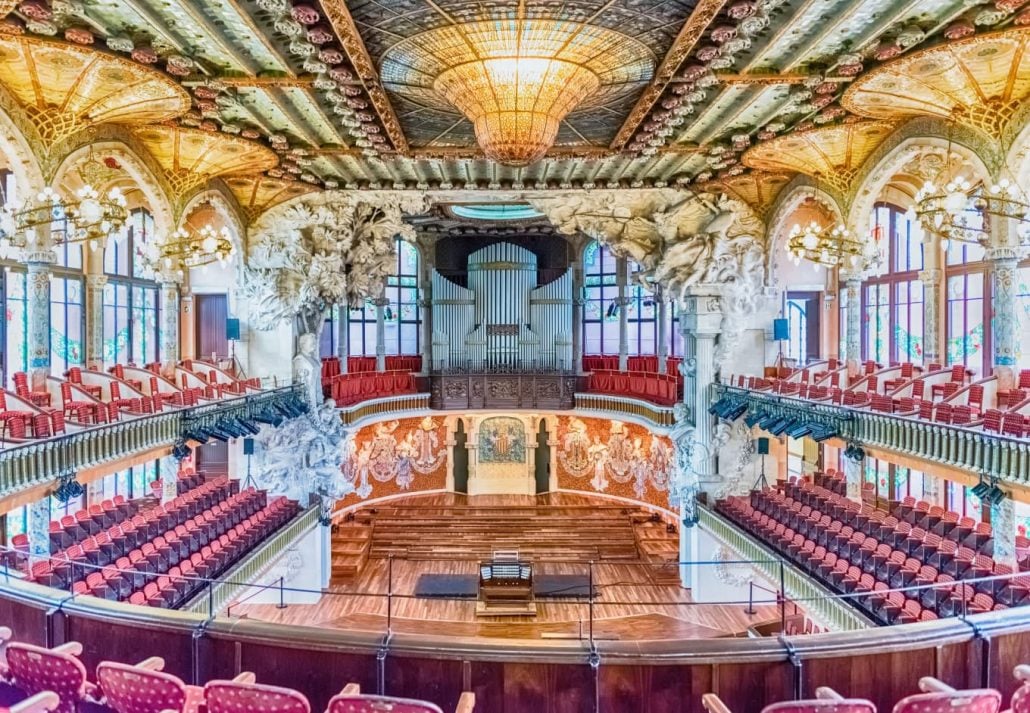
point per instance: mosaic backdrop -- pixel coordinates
(502, 440)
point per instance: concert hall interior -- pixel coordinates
(592, 356)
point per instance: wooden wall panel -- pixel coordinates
(439, 680)
(546, 688)
(653, 689)
(748, 686)
(130, 643)
(27, 621)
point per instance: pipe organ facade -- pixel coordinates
(503, 320)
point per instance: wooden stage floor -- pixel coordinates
(635, 601)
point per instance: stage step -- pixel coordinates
(350, 547)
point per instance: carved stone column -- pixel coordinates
(168, 352)
(931, 280)
(39, 528)
(95, 321)
(853, 328)
(702, 317)
(578, 302)
(621, 276)
(381, 304)
(343, 336)
(1003, 525)
(1004, 264)
(168, 469)
(663, 333)
(932, 489)
(38, 265)
(853, 473)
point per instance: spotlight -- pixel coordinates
(821, 432)
(800, 430)
(753, 418)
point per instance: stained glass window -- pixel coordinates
(16, 323)
(960, 499)
(402, 316)
(67, 323)
(116, 323)
(601, 310)
(965, 316)
(130, 483)
(876, 322)
(17, 522)
(131, 321)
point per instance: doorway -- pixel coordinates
(543, 460)
(211, 312)
(461, 459)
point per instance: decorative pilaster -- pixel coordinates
(578, 302)
(853, 473)
(1003, 525)
(381, 304)
(663, 332)
(426, 305)
(39, 528)
(38, 265)
(853, 328)
(95, 321)
(1004, 264)
(702, 317)
(343, 335)
(621, 277)
(931, 280)
(168, 352)
(932, 489)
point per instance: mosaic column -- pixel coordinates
(853, 328)
(343, 336)
(168, 470)
(168, 352)
(95, 321)
(426, 304)
(621, 275)
(931, 280)
(39, 528)
(381, 304)
(663, 332)
(932, 489)
(1004, 265)
(1003, 525)
(38, 265)
(853, 473)
(578, 303)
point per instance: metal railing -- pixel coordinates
(605, 404)
(43, 460)
(983, 452)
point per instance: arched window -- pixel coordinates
(892, 303)
(968, 308)
(130, 300)
(402, 314)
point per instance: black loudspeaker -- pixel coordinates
(781, 330)
(232, 330)
(763, 446)
(248, 446)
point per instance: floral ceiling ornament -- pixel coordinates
(321, 250)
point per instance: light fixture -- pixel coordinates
(830, 247)
(961, 211)
(198, 249)
(516, 78)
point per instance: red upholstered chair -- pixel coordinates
(74, 375)
(827, 701)
(133, 404)
(351, 700)
(70, 406)
(8, 416)
(1021, 698)
(35, 670)
(941, 698)
(21, 387)
(242, 695)
(145, 688)
(39, 703)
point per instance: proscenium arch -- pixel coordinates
(143, 177)
(900, 147)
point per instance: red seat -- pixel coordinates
(35, 670)
(238, 697)
(975, 701)
(145, 688)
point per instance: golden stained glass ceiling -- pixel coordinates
(256, 194)
(979, 81)
(832, 154)
(67, 87)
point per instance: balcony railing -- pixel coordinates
(965, 448)
(41, 461)
(611, 405)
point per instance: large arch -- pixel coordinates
(912, 138)
(800, 189)
(224, 203)
(16, 145)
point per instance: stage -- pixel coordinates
(423, 548)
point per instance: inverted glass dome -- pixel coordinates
(496, 211)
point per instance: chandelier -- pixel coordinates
(516, 78)
(35, 224)
(198, 249)
(962, 211)
(829, 247)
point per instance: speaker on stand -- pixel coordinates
(232, 334)
(248, 450)
(762, 449)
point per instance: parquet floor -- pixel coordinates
(632, 603)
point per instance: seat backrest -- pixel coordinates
(1021, 699)
(34, 670)
(232, 697)
(982, 700)
(376, 704)
(129, 689)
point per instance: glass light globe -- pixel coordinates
(209, 244)
(90, 210)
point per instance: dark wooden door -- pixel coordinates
(213, 458)
(211, 312)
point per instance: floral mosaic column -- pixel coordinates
(381, 303)
(39, 528)
(1003, 525)
(931, 280)
(38, 265)
(853, 328)
(853, 470)
(663, 333)
(169, 347)
(621, 277)
(95, 321)
(1004, 264)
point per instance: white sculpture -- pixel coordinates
(304, 456)
(307, 369)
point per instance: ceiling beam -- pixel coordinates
(701, 17)
(343, 24)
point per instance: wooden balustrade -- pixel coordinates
(975, 451)
(607, 405)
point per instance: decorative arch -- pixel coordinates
(899, 148)
(795, 193)
(146, 179)
(17, 136)
(224, 203)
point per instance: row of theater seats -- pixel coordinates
(935, 697)
(204, 532)
(347, 389)
(360, 364)
(857, 549)
(636, 364)
(60, 680)
(658, 388)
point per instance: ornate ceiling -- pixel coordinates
(311, 92)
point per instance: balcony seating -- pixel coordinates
(118, 372)
(13, 421)
(74, 376)
(80, 410)
(145, 688)
(1010, 397)
(35, 670)
(908, 370)
(347, 389)
(351, 700)
(657, 388)
(957, 380)
(21, 388)
(134, 405)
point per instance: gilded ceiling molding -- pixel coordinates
(704, 12)
(758, 189)
(917, 136)
(257, 193)
(343, 24)
(134, 163)
(19, 141)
